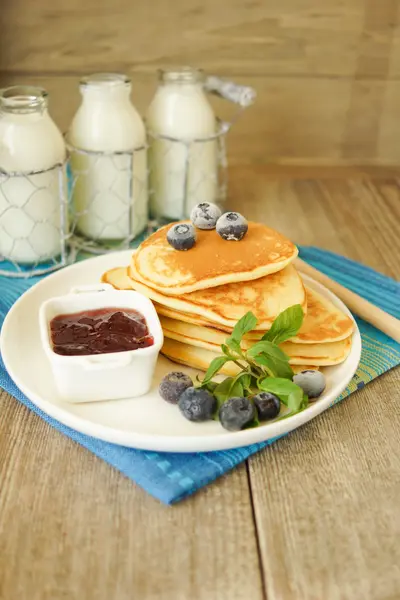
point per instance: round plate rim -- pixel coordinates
(162, 443)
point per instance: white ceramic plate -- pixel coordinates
(147, 422)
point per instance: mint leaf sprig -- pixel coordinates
(262, 367)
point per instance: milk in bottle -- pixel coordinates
(109, 193)
(183, 168)
(32, 177)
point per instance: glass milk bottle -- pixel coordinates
(183, 165)
(109, 194)
(32, 178)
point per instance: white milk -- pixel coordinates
(30, 207)
(182, 173)
(109, 203)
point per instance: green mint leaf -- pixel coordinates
(210, 386)
(243, 326)
(222, 390)
(266, 361)
(221, 393)
(236, 389)
(254, 423)
(292, 401)
(283, 369)
(286, 325)
(275, 367)
(295, 400)
(268, 348)
(304, 403)
(246, 381)
(279, 386)
(233, 345)
(229, 387)
(215, 365)
(225, 350)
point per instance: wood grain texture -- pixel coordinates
(324, 499)
(327, 74)
(254, 37)
(73, 527)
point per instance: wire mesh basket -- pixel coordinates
(107, 198)
(193, 170)
(33, 222)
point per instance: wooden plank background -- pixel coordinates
(327, 73)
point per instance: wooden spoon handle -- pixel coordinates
(364, 309)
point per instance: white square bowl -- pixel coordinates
(108, 376)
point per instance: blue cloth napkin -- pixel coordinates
(172, 477)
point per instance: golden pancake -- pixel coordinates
(118, 278)
(318, 354)
(224, 305)
(212, 262)
(324, 323)
(189, 318)
(200, 358)
(321, 355)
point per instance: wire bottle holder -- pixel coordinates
(115, 213)
(204, 176)
(33, 222)
(107, 198)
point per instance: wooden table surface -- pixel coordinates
(314, 516)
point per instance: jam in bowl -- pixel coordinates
(99, 331)
(102, 343)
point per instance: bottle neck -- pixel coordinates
(181, 76)
(24, 118)
(23, 103)
(97, 94)
(185, 81)
(186, 87)
(106, 88)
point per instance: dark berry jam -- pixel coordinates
(99, 331)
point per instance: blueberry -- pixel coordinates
(311, 382)
(267, 405)
(236, 412)
(182, 236)
(197, 404)
(232, 226)
(173, 385)
(205, 215)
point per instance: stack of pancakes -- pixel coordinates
(201, 293)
